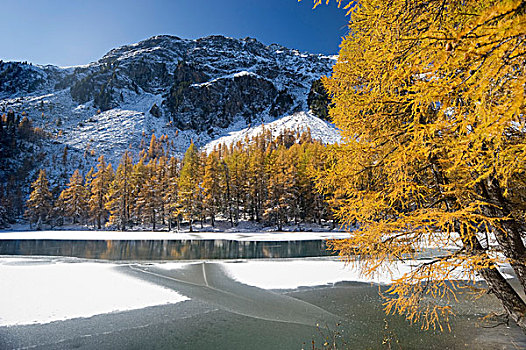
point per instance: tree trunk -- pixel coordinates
(509, 238)
(512, 302)
(499, 286)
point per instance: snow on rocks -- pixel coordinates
(301, 121)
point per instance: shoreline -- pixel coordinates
(172, 235)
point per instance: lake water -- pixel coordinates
(165, 250)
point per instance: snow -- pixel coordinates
(304, 272)
(287, 274)
(133, 53)
(43, 290)
(76, 66)
(301, 121)
(310, 272)
(43, 293)
(228, 76)
(244, 73)
(151, 235)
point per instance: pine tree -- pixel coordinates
(40, 203)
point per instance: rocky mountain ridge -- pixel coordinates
(198, 89)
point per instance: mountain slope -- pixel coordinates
(187, 89)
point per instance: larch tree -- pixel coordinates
(150, 196)
(74, 198)
(100, 185)
(256, 178)
(40, 202)
(119, 194)
(211, 186)
(170, 194)
(188, 186)
(236, 163)
(429, 96)
(280, 170)
(162, 176)
(87, 182)
(139, 190)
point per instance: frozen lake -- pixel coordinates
(123, 294)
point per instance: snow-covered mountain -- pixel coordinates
(301, 122)
(199, 89)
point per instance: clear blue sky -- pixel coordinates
(72, 32)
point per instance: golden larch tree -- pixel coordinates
(170, 194)
(40, 202)
(429, 96)
(74, 198)
(188, 186)
(100, 186)
(211, 186)
(119, 194)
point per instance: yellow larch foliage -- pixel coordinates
(429, 96)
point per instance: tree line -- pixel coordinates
(264, 179)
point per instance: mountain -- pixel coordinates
(198, 89)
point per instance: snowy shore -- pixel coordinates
(156, 235)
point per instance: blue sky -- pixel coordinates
(71, 32)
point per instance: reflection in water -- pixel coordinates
(165, 250)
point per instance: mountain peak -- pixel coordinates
(197, 89)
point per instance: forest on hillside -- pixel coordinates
(264, 179)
